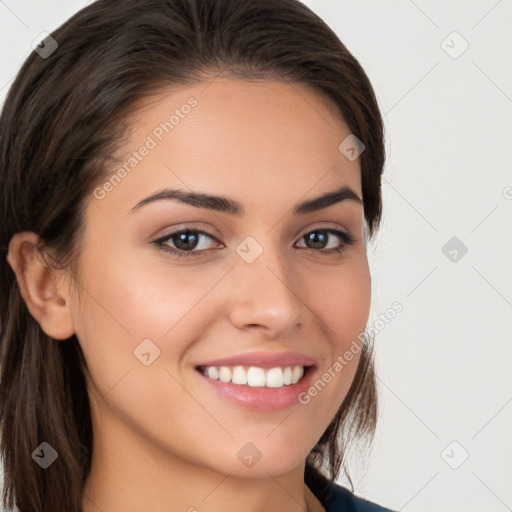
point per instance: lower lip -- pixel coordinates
(261, 398)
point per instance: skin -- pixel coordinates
(162, 440)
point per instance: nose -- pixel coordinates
(265, 295)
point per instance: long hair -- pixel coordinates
(62, 121)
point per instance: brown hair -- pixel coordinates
(62, 121)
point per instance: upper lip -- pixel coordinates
(263, 360)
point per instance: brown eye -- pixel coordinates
(186, 242)
(319, 239)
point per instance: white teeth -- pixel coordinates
(298, 372)
(274, 378)
(213, 373)
(224, 374)
(287, 375)
(256, 377)
(239, 375)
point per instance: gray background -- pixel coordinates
(444, 361)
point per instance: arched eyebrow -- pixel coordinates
(230, 206)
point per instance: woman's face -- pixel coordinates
(265, 288)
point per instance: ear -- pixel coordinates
(44, 293)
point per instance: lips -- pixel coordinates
(264, 399)
(262, 360)
(260, 384)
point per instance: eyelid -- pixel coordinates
(192, 226)
(325, 225)
(185, 229)
(345, 237)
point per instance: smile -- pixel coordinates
(254, 376)
(256, 388)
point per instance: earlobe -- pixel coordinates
(45, 297)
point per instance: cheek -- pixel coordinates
(130, 300)
(342, 308)
(124, 303)
(344, 303)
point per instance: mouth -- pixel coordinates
(256, 377)
(260, 381)
(257, 389)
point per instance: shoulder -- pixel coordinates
(340, 499)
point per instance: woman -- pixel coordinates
(240, 135)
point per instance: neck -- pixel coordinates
(132, 474)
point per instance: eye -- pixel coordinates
(185, 241)
(192, 242)
(318, 238)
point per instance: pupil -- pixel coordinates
(184, 241)
(318, 238)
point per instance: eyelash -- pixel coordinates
(346, 240)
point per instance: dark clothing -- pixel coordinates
(335, 498)
(342, 500)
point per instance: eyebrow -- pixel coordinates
(226, 205)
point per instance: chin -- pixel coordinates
(259, 458)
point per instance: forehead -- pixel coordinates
(256, 141)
